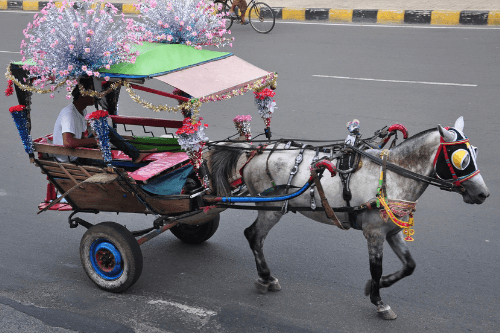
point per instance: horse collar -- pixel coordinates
(456, 160)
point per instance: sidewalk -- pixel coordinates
(438, 12)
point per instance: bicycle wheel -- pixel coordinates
(223, 8)
(261, 17)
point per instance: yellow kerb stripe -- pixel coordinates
(129, 9)
(3, 4)
(30, 5)
(391, 16)
(444, 17)
(494, 18)
(341, 15)
(293, 14)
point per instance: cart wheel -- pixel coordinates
(111, 256)
(195, 234)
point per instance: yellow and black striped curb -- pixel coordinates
(437, 17)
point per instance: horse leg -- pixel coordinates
(375, 252)
(256, 234)
(400, 247)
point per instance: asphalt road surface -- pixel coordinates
(328, 75)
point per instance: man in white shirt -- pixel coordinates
(71, 125)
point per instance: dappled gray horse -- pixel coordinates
(443, 153)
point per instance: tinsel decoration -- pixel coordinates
(266, 104)
(75, 40)
(10, 90)
(189, 22)
(242, 124)
(192, 139)
(268, 80)
(20, 116)
(99, 123)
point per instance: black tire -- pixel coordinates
(196, 234)
(226, 5)
(261, 17)
(111, 256)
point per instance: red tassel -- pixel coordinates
(9, 91)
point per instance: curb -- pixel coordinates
(434, 17)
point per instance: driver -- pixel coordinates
(71, 125)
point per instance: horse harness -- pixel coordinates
(450, 173)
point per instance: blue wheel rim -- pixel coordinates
(106, 260)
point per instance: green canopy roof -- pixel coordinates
(158, 59)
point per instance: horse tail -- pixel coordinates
(222, 163)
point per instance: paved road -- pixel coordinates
(209, 288)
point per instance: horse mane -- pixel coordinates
(415, 137)
(222, 164)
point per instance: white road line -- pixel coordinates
(398, 81)
(189, 309)
(9, 52)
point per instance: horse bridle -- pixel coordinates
(462, 164)
(450, 173)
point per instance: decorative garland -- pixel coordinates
(29, 88)
(96, 94)
(267, 81)
(20, 116)
(242, 124)
(193, 104)
(99, 122)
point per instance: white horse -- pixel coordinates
(424, 153)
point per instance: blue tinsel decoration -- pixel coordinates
(21, 121)
(101, 129)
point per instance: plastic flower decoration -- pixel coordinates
(192, 139)
(189, 22)
(242, 124)
(266, 104)
(99, 123)
(20, 116)
(74, 40)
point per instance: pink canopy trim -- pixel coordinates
(215, 77)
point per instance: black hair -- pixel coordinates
(87, 84)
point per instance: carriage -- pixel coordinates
(186, 181)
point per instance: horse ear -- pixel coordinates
(459, 124)
(447, 135)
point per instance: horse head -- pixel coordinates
(456, 160)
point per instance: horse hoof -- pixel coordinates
(274, 285)
(262, 286)
(368, 287)
(385, 312)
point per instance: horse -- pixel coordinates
(421, 154)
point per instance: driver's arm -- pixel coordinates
(69, 141)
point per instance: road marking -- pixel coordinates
(189, 309)
(398, 81)
(9, 52)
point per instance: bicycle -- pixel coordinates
(260, 15)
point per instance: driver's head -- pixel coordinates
(87, 84)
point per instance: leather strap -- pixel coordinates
(324, 201)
